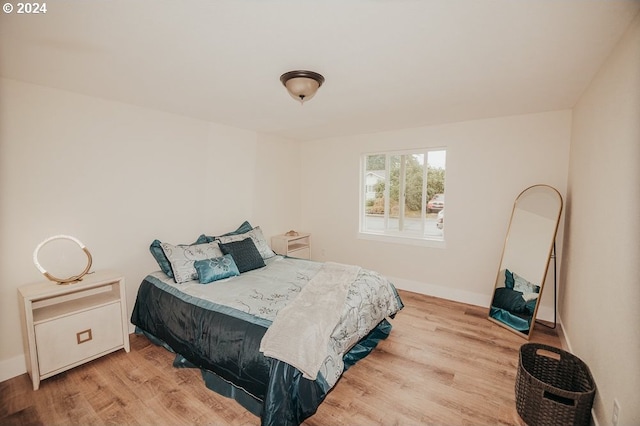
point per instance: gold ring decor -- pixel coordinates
(72, 279)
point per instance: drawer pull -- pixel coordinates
(84, 336)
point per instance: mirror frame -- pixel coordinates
(501, 267)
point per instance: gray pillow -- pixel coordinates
(524, 286)
(182, 258)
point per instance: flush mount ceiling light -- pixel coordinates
(302, 85)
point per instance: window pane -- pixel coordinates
(436, 164)
(436, 161)
(374, 179)
(413, 197)
(403, 194)
(394, 192)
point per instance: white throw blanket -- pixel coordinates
(301, 331)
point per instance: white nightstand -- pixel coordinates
(64, 326)
(292, 245)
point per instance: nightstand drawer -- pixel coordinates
(76, 337)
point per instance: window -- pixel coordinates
(402, 195)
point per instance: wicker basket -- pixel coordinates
(553, 387)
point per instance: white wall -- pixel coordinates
(276, 198)
(489, 162)
(116, 177)
(601, 299)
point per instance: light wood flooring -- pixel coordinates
(443, 364)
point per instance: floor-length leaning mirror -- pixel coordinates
(525, 259)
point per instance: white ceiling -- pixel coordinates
(388, 64)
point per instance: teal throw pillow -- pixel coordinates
(156, 251)
(245, 227)
(205, 239)
(210, 270)
(242, 229)
(509, 281)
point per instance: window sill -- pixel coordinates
(398, 239)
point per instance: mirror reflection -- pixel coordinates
(525, 258)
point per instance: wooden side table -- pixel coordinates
(64, 326)
(292, 245)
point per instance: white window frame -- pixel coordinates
(389, 235)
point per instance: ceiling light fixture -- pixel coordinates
(302, 85)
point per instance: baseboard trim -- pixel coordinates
(12, 367)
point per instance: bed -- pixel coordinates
(514, 302)
(272, 332)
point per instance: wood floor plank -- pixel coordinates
(15, 395)
(26, 417)
(444, 363)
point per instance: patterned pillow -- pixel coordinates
(245, 254)
(210, 270)
(258, 239)
(182, 258)
(156, 251)
(524, 286)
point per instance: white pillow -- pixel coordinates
(524, 286)
(182, 258)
